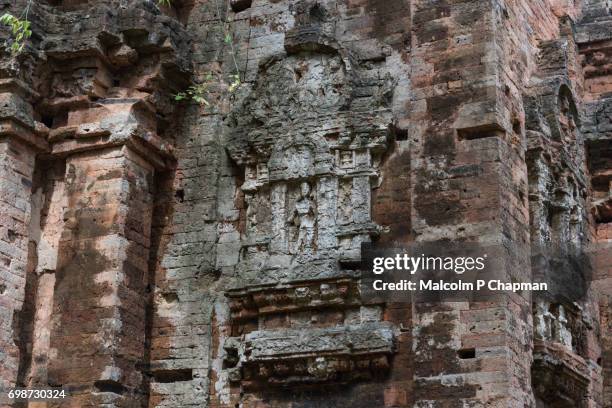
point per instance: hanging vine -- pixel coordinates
(200, 93)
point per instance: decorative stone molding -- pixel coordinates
(560, 375)
(253, 301)
(113, 84)
(332, 355)
(300, 182)
(17, 115)
(557, 174)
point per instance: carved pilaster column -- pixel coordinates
(97, 340)
(98, 333)
(19, 144)
(106, 97)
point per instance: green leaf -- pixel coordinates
(20, 31)
(235, 82)
(228, 38)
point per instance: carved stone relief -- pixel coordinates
(308, 138)
(559, 234)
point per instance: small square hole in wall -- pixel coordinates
(171, 376)
(399, 133)
(47, 120)
(180, 195)
(109, 386)
(240, 5)
(480, 132)
(467, 353)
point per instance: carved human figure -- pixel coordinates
(561, 210)
(262, 171)
(346, 159)
(250, 173)
(566, 120)
(251, 213)
(576, 216)
(543, 319)
(321, 368)
(303, 217)
(562, 332)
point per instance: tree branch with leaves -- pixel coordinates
(20, 29)
(200, 93)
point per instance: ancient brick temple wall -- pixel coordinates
(164, 253)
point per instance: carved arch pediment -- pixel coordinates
(318, 94)
(549, 108)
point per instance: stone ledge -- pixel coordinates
(330, 355)
(592, 32)
(287, 269)
(33, 137)
(107, 26)
(250, 302)
(117, 122)
(560, 372)
(371, 338)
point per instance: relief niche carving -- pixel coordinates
(309, 137)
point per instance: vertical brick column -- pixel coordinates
(468, 179)
(602, 263)
(475, 351)
(98, 334)
(19, 144)
(16, 169)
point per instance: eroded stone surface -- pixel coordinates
(163, 254)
